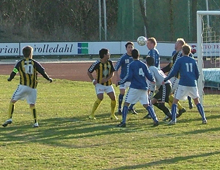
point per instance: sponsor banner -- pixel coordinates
(92, 48)
(52, 48)
(9, 49)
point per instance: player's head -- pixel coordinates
(129, 47)
(103, 53)
(151, 43)
(150, 61)
(186, 50)
(135, 54)
(27, 52)
(179, 43)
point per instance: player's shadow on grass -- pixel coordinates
(168, 161)
(56, 131)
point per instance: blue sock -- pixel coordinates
(120, 100)
(173, 111)
(131, 106)
(152, 113)
(124, 114)
(201, 111)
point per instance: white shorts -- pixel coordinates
(174, 84)
(135, 95)
(25, 92)
(183, 91)
(125, 85)
(100, 89)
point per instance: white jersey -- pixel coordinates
(158, 75)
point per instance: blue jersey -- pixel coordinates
(123, 62)
(188, 69)
(137, 73)
(155, 54)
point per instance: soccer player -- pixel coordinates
(27, 68)
(151, 45)
(164, 90)
(138, 90)
(103, 81)
(175, 80)
(122, 63)
(189, 75)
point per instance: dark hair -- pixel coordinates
(27, 51)
(186, 49)
(103, 52)
(150, 61)
(135, 53)
(129, 43)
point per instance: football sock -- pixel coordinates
(95, 106)
(120, 100)
(131, 106)
(11, 110)
(173, 110)
(113, 105)
(152, 113)
(124, 114)
(162, 107)
(34, 113)
(201, 111)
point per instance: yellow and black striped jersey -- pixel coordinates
(28, 69)
(103, 70)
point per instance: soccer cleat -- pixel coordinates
(121, 124)
(92, 117)
(9, 121)
(36, 125)
(156, 123)
(181, 111)
(113, 117)
(119, 112)
(190, 105)
(172, 122)
(147, 116)
(204, 121)
(133, 111)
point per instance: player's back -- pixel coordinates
(138, 72)
(158, 74)
(155, 54)
(188, 71)
(123, 62)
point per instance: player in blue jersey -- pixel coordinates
(138, 90)
(151, 45)
(189, 75)
(122, 63)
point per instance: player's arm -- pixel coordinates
(117, 66)
(14, 71)
(196, 71)
(41, 70)
(127, 77)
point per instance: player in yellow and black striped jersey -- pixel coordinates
(103, 81)
(27, 69)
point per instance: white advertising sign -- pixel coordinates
(9, 49)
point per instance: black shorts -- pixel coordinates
(163, 94)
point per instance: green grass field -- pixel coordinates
(67, 139)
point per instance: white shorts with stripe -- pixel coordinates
(100, 89)
(174, 84)
(25, 93)
(135, 95)
(183, 91)
(125, 85)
